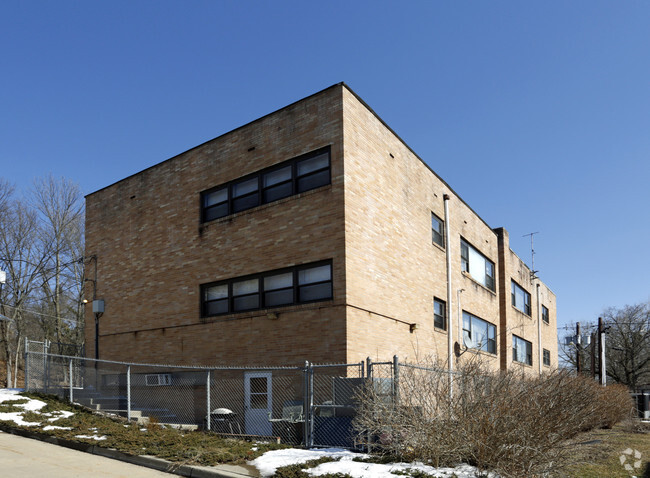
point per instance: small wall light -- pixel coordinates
(413, 327)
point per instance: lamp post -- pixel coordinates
(98, 307)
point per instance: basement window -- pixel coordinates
(157, 379)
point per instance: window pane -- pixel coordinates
(278, 192)
(216, 292)
(314, 181)
(277, 176)
(245, 287)
(315, 274)
(215, 212)
(477, 266)
(312, 164)
(258, 385)
(245, 187)
(278, 297)
(246, 202)
(246, 302)
(216, 307)
(279, 281)
(315, 292)
(215, 197)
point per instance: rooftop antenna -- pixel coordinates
(533, 272)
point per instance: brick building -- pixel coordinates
(312, 233)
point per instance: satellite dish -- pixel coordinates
(469, 342)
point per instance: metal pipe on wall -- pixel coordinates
(450, 335)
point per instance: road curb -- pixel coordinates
(146, 461)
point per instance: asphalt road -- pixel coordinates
(26, 457)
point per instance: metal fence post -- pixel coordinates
(27, 364)
(310, 444)
(207, 403)
(305, 384)
(70, 380)
(369, 367)
(128, 393)
(395, 380)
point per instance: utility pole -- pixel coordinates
(578, 367)
(601, 352)
(593, 355)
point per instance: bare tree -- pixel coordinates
(59, 203)
(24, 260)
(628, 344)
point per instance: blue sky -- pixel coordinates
(536, 113)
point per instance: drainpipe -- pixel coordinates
(460, 324)
(539, 333)
(450, 339)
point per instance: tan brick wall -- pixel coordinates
(518, 323)
(373, 221)
(393, 268)
(153, 254)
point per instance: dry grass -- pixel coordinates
(597, 452)
(182, 447)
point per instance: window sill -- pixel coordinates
(251, 314)
(467, 275)
(206, 225)
(520, 312)
(439, 246)
(439, 330)
(522, 364)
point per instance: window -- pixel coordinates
(295, 176)
(547, 357)
(477, 265)
(520, 298)
(545, 314)
(439, 314)
(158, 379)
(437, 230)
(294, 285)
(479, 334)
(522, 350)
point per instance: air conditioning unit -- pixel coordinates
(158, 379)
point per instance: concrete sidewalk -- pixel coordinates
(26, 453)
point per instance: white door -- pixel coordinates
(257, 403)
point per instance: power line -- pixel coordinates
(41, 313)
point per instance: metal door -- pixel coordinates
(257, 403)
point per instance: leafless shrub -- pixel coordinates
(505, 422)
(614, 405)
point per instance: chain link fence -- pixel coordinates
(312, 405)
